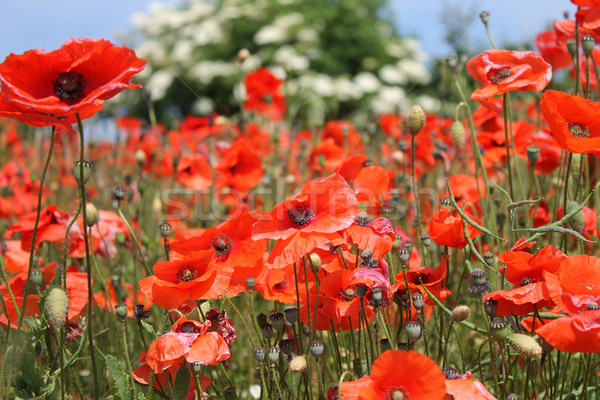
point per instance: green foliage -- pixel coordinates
(125, 392)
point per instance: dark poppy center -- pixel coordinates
(396, 393)
(362, 219)
(593, 306)
(499, 76)
(281, 286)
(187, 274)
(300, 215)
(222, 245)
(526, 281)
(347, 293)
(579, 130)
(68, 86)
(188, 327)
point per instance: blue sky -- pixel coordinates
(47, 24)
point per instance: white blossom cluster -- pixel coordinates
(182, 41)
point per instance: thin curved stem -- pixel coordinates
(35, 226)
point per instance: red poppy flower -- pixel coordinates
(229, 243)
(504, 71)
(279, 284)
(446, 228)
(326, 156)
(376, 235)
(51, 227)
(588, 14)
(240, 168)
(264, 93)
(343, 134)
(76, 78)
(189, 340)
(370, 182)
(142, 375)
(192, 277)
(194, 172)
(466, 389)
(576, 292)
(413, 375)
(554, 51)
(338, 302)
(434, 280)
(77, 294)
(306, 220)
(574, 122)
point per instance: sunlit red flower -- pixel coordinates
(370, 182)
(574, 122)
(189, 340)
(466, 389)
(191, 277)
(576, 292)
(446, 228)
(503, 71)
(306, 220)
(194, 172)
(413, 375)
(376, 235)
(51, 227)
(240, 167)
(77, 294)
(264, 93)
(50, 88)
(554, 51)
(434, 280)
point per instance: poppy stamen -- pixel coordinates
(579, 130)
(300, 215)
(347, 293)
(222, 245)
(396, 393)
(187, 274)
(499, 76)
(68, 86)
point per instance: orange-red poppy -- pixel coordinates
(503, 71)
(412, 375)
(189, 340)
(434, 280)
(375, 235)
(306, 220)
(191, 277)
(576, 292)
(46, 87)
(77, 294)
(574, 122)
(466, 389)
(446, 228)
(370, 182)
(51, 227)
(264, 95)
(194, 172)
(240, 167)
(553, 50)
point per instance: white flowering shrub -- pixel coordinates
(337, 58)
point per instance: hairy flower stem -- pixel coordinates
(137, 243)
(416, 191)
(96, 387)
(35, 227)
(124, 343)
(507, 145)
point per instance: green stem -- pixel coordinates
(137, 244)
(82, 199)
(35, 227)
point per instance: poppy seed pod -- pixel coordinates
(286, 346)
(298, 364)
(460, 313)
(165, 229)
(577, 221)
(267, 331)
(417, 300)
(524, 345)
(533, 153)
(415, 120)
(413, 330)
(404, 255)
(457, 131)
(315, 262)
(499, 329)
(92, 215)
(36, 277)
(121, 311)
(291, 314)
(384, 344)
(140, 158)
(572, 47)
(276, 320)
(56, 306)
(250, 282)
(242, 55)
(87, 171)
(587, 44)
(513, 396)
(316, 349)
(259, 354)
(485, 17)
(273, 354)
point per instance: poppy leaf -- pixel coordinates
(467, 218)
(182, 382)
(120, 377)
